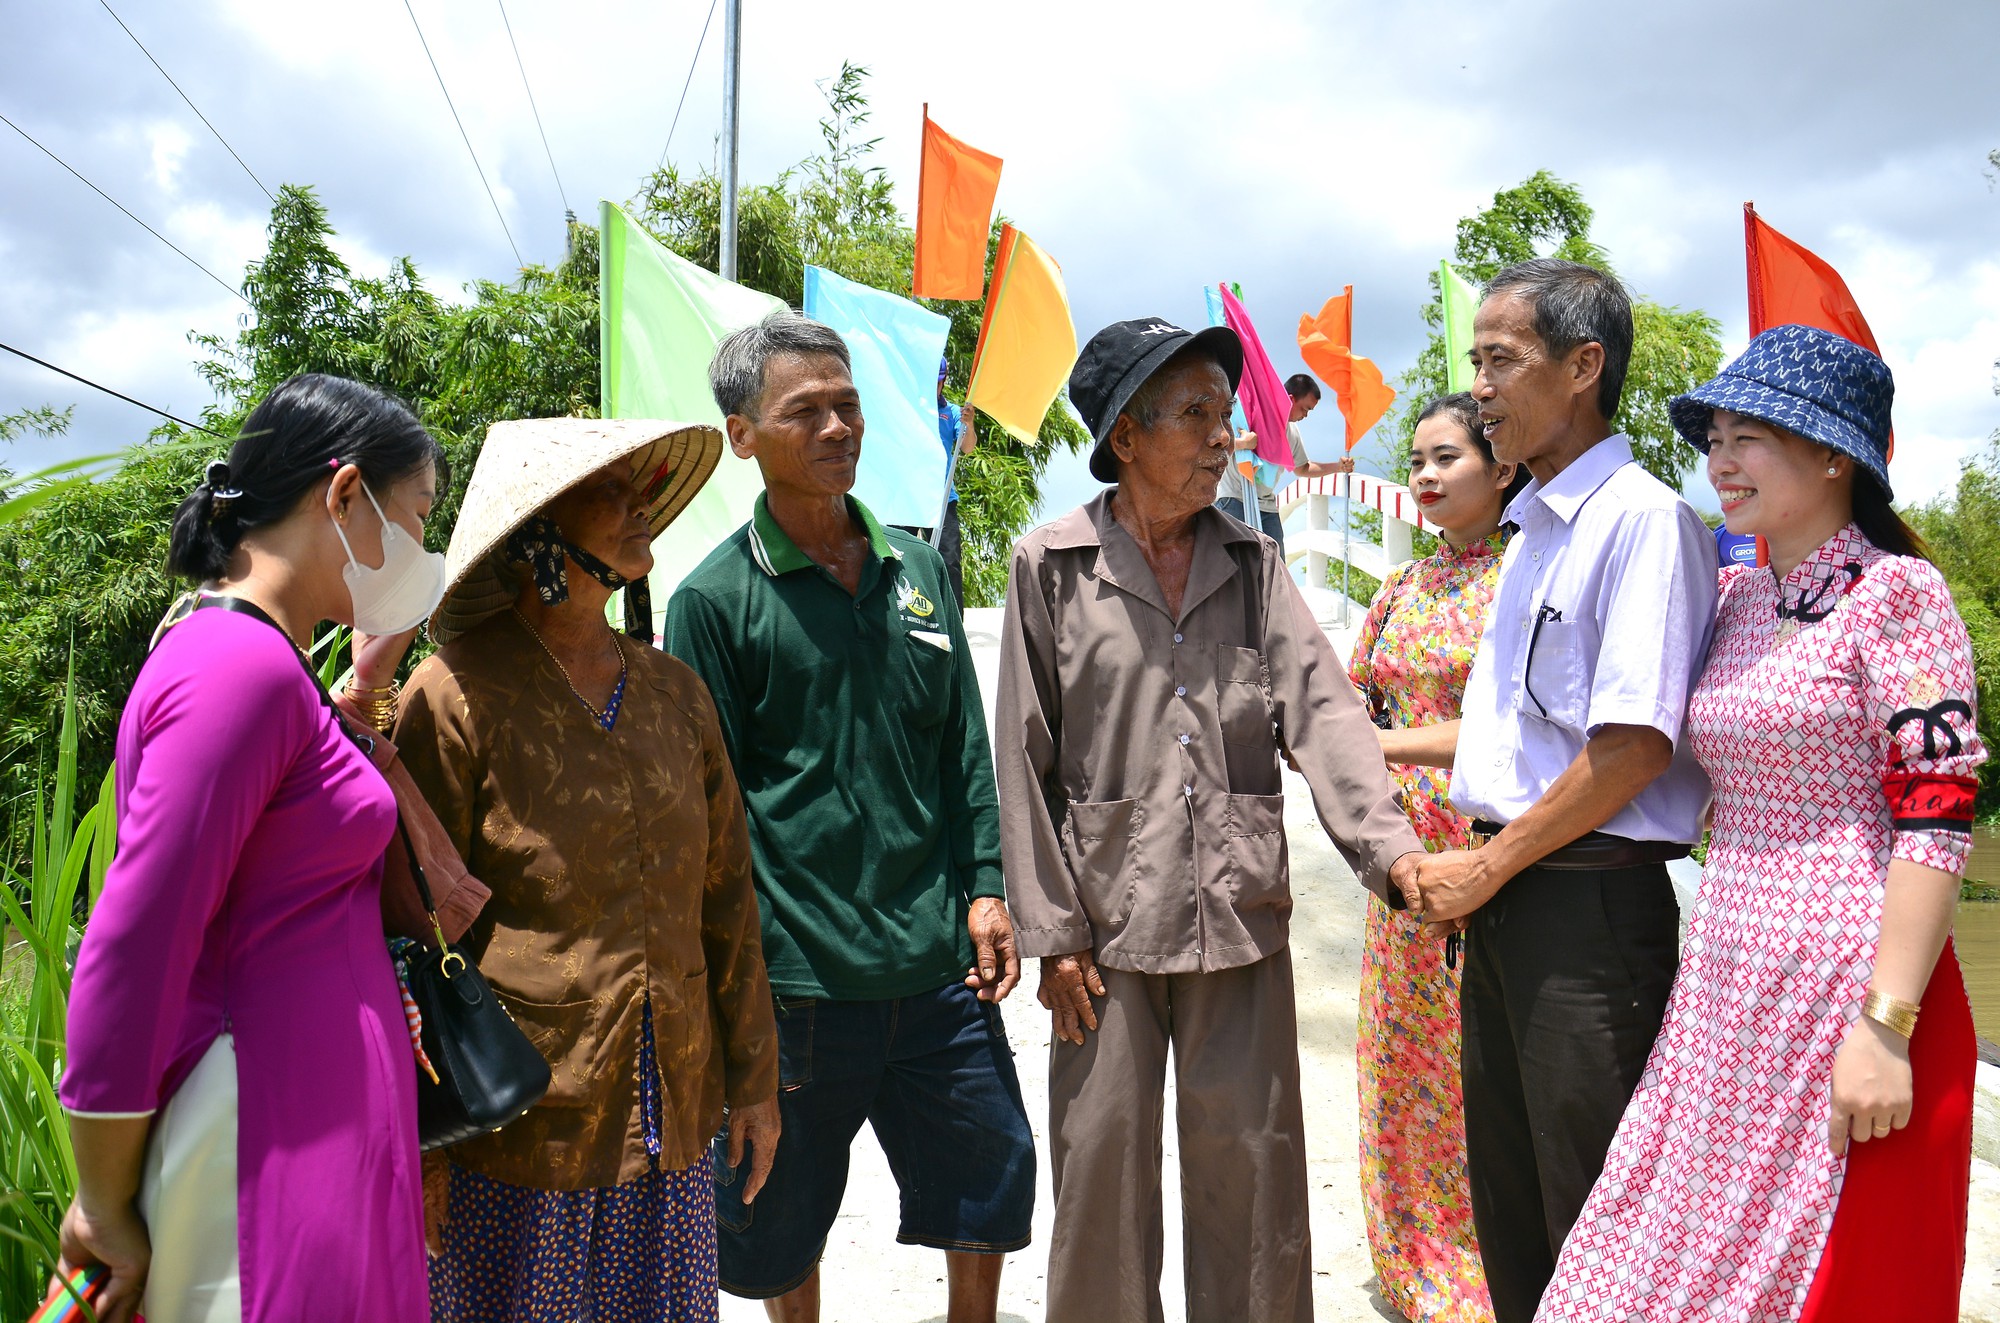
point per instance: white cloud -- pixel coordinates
(1295, 145)
(170, 143)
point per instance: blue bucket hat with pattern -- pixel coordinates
(1810, 382)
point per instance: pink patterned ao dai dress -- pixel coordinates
(1835, 720)
(1411, 661)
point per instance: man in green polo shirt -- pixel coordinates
(840, 669)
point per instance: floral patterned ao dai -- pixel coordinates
(1411, 661)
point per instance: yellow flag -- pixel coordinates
(1027, 342)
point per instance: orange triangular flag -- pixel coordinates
(956, 185)
(1326, 343)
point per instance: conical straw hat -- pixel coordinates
(528, 462)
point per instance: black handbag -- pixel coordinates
(485, 1072)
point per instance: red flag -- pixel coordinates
(1326, 343)
(956, 185)
(1789, 284)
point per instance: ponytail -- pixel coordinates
(205, 529)
(301, 434)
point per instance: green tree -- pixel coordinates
(88, 560)
(88, 557)
(1962, 529)
(838, 212)
(46, 421)
(1673, 349)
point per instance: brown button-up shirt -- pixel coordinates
(1137, 754)
(620, 867)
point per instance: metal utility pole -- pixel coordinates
(732, 62)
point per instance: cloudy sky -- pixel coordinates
(1294, 147)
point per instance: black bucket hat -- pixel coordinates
(1119, 359)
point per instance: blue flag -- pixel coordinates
(896, 345)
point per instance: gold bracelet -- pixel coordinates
(377, 706)
(1892, 1013)
(392, 689)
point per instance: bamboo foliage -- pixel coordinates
(44, 927)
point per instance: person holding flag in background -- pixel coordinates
(1259, 479)
(956, 431)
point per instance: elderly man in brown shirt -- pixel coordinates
(1156, 662)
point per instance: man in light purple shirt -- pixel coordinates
(1571, 758)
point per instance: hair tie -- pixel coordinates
(220, 494)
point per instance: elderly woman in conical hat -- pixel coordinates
(1799, 1145)
(582, 775)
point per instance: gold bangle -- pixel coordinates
(377, 708)
(392, 689)
(1892, 1013)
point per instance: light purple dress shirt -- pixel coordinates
(1602, 617)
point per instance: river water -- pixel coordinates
(1977, 937)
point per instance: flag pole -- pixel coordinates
(732, 65)
(1346, 532)
(1753, 270)
(923, 159)
(950, 476)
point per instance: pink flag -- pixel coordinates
(1266, 407)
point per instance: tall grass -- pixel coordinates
(38, 915)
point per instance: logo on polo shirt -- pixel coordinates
(909, 599)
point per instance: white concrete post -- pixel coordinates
(1316, 521)
(1395, 540)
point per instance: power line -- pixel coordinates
(531, 104)
(190, 100)
(121, 206)
(22, 353)
(686, 84)
(463, 134)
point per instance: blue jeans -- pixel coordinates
(934, 1076)
(1274, 527)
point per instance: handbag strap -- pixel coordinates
(244, 607)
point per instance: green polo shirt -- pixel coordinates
(855, 728)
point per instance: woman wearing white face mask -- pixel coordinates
(239, 1056)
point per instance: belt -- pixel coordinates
(1594, 850)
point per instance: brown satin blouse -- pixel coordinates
(620, 866)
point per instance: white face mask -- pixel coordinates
(404, 591)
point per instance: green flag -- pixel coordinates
(660, 319)
(1461, 300)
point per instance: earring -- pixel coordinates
(1832, 471)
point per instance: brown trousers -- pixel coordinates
(1247, 1245)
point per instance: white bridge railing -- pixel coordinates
(1323, 542)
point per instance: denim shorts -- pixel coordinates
(934, 1076)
